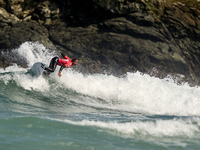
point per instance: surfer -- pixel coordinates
(64, 63)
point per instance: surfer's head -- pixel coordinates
(74, 61)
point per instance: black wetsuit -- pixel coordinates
(66, 62)
(53, 64)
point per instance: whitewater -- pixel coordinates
(94, 111)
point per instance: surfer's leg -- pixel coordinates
(52, 65)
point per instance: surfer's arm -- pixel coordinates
(61, 68)
(62, 55)
(65, 56)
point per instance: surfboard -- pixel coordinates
(37, 69)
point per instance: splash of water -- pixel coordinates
(134, 93)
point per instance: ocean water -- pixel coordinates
(94, 112)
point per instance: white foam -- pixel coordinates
(13, 68)
(159, 128)
(31, 83)
(34, 52)
(135, 93)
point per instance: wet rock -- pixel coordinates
(6, 17)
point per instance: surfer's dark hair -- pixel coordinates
(74, 59)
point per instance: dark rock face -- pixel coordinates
(23, 31)
(184, 25)
(108, 36)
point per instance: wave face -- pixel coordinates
(94, 111)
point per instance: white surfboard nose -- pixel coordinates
(37, 69)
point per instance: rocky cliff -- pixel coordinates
(112, 36)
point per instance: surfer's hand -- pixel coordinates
(59, 74)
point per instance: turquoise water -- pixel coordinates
(94, 112)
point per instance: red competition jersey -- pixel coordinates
(66, 61)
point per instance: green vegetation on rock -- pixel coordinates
(157, 6)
